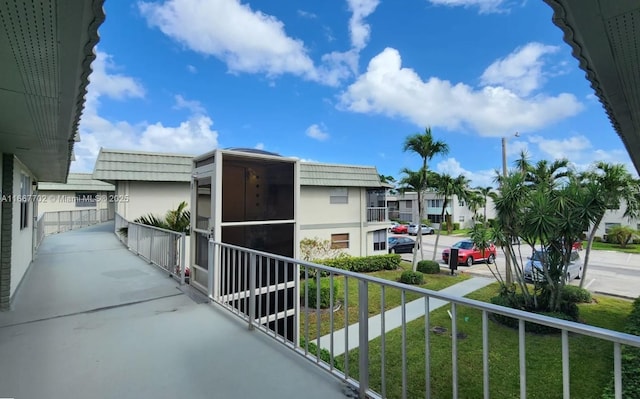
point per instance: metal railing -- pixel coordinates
(160, 247)
(354, 343)
(377, 214)
(39, 231)
(121, 225)
(61, 221)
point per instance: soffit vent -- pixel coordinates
(623, 31)
(31, 31)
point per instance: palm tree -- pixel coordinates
(474, 202)
(426, 147)
(446, 187)
(610, 184)
(414, 181)
(548, 174)
(523, 163)
(178, 219)
(484, 192)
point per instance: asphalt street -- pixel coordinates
(608, 272)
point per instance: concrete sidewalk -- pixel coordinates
(393, 317)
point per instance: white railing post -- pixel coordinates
(363, 326)
(183, 266)
(210, 266)
(252, 290)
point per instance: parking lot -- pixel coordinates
(609, 272)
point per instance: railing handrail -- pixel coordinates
(177, 233)
(592, 331)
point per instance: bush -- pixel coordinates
(411, 277)
(325, 292)
(575, 294)
(597, 239)
(569, 312)
(428, 267)
(365, 264)
(630, 360)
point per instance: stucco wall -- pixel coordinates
(58, 200)
(22, 239)
(135, 199)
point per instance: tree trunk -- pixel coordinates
(587, 251)
(418, 245)
(435, 248)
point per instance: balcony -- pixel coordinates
(377, 214)
(92, 319)
(88, 306)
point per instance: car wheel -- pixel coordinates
(491, 259)
(470, 261)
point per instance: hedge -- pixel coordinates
(325, 292)
(411, 277)
(364, 264)
(575, 294)
(429, 267)
(630, 360)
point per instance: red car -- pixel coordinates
(468, 253)
(399, 229)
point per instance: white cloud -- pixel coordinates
(192, 69)
(251, 41)
(389, 89)
(193, 136)
(452, 167)
(316, 132)
(573, 148)
(359, 30)
(307, 14)
(247, 40)
(485, 6)
(520, 71)
(259, 146)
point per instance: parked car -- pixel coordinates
(468, 253)
(399, 245)
(413, 229)
(399, 229)
(534, 270)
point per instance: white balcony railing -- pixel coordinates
(163, 248)
(377, 214)
(247, 282)
(61, 221)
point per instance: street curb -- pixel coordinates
(615, 295)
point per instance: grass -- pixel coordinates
(590, 358)
(393, 299)
(607, 246)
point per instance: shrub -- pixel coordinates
(325, 355)
(428, 267)
(575, 294)
(411, 277)
(597, 239)
(569, 312)
(325, 292)
(630, 360)
(365, 264)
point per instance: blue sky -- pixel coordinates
(343, 81)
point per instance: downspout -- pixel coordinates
(363, 215)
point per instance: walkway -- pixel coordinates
(393, 317)
(92, 320)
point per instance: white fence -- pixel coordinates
(61, 221)
(164, 248)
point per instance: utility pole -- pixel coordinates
(507, 262)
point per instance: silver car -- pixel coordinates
(413, 229)
(533, 269)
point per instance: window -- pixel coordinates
(339, 195)
(25, 192)
(339, 241)
(434, 203)
(434, 218)
(607, 226)
(86, 199)
(379, 240)
(409, 204)
(461, 219)
(460, 202)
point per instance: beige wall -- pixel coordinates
(320, 218)
(22, 238)
(135, 199)
(58, 200)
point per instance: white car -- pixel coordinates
(413, 229)
(533, 269)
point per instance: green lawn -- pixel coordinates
(630, 249)
(590, 359)
(434, 282)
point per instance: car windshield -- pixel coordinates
(538, 256)
(463, 245)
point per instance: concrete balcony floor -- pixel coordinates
(92, 320)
